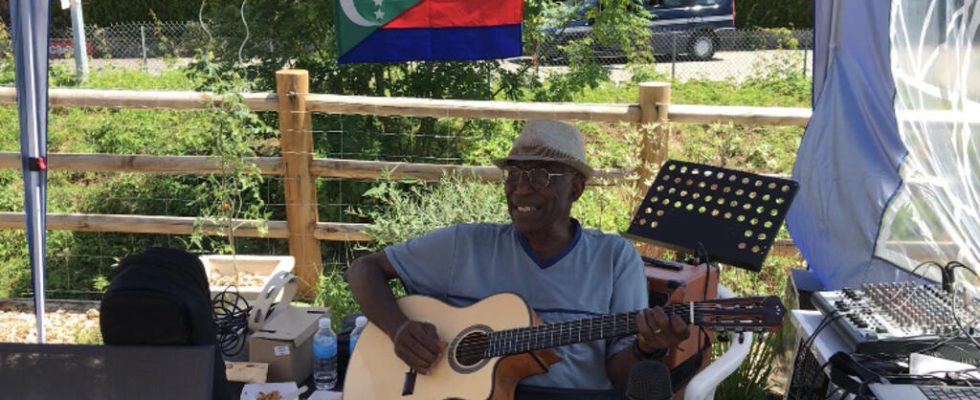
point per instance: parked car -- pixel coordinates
(64, 48)
(678, 27)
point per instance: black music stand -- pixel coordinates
(734, 215)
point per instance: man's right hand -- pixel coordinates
(417, 343)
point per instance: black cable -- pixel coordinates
(230, 311)
(824, 323)
(703, 256)
(958, 264)
(949, 268)
(946, 272)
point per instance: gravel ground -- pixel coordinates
(64, 322)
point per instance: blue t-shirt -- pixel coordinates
(597, 274)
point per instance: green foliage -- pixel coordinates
(402, 210)
(646, 73)
(751, 379)
(625, 25)
(739, 147)
(774, 13)
(15, 271)
(134, 79)
(332, 291)
(584, 72)
(234, 194)
(780, 71)
(6, 55)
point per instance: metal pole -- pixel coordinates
(673, 55)
(804, 61)
(143, 44)
(78, 34)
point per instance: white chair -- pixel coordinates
(702, 386)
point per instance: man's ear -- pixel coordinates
(578, 186)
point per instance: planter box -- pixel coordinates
(247, 273)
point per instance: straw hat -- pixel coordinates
(547, 140)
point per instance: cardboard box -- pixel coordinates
(246, 372)
(285, 342)
(247, 273)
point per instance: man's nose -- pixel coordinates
(523, 184)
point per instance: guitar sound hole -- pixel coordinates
(472, 349)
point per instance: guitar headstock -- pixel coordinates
(741, 314)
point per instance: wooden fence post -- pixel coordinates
(296, 141)
(654, 102)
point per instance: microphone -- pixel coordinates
(649, 380)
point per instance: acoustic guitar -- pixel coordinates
(498, 341)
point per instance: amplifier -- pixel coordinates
(663, 278)
(901, 317)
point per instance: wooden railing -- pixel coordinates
(652, 112)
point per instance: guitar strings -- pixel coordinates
(536, 333)
(548, 331)
(545, 332)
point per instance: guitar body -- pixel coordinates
(375, 372)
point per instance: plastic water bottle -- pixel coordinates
(359, 323)
(325, 356)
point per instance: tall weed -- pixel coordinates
(403, 210)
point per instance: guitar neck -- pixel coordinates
(521, 340)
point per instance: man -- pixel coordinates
(562, 270)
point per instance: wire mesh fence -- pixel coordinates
(683, 55)
(135, 40)
(79, 264)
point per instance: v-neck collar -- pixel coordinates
(547, 262)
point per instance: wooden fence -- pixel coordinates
(302, 228)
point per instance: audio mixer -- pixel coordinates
(900, 317)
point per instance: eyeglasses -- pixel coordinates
(539, 178)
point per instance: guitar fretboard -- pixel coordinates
(521, 340)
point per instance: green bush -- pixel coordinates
(774, 13)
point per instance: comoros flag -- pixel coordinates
(412, 30)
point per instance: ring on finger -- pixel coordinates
(656, 332)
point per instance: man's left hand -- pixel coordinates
(657, 331)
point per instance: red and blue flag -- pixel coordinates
(430, 30)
